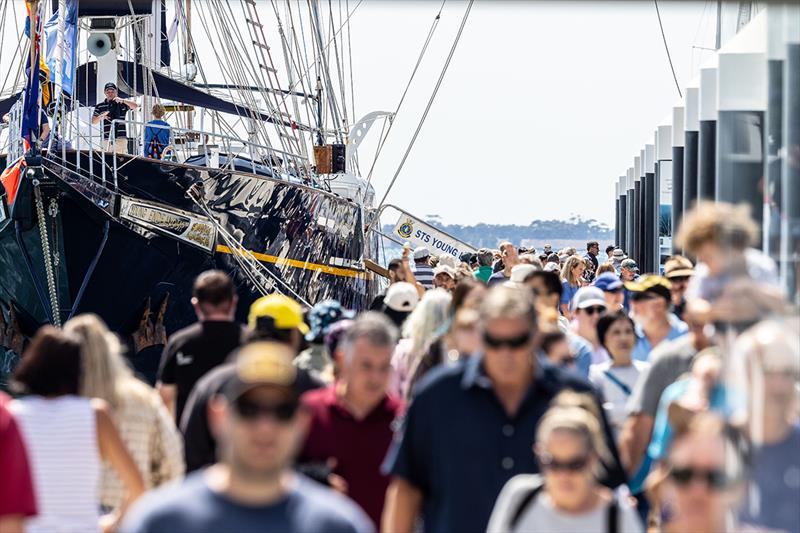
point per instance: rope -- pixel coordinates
(430, 102)
(48, 266)
(431, 31)
(666, 47)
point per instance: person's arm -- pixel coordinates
(113, 450)
(168, 394)
(165, 384)
(97, 117)
(130, 103)
(402, 507)
(45, 131)
(634, 439)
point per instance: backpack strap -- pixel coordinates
(618, 382)
(613, 515)
(523, 504)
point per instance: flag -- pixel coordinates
(51, 38)
(30, 110)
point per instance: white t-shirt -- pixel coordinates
(541, 516)
(615, 398)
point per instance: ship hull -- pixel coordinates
(147, 239)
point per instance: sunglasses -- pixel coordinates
(594, 309)
(569, 360)
(510, 342)
(715, 479)
(679, 279)
(249, 410)
(574, 465)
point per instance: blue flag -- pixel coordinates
(30, 112)
(51, 37)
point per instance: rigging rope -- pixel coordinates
(666, 47)
(382, 141)
(430, 102)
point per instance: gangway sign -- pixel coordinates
(418, 233)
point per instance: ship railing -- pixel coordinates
(14, 145)
(187, 143)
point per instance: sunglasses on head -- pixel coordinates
(594, 309)
(715, 479)
(510, 342)
(577, 464)
(250, 410)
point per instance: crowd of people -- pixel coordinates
(505, 390)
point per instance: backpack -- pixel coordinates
(612, 515)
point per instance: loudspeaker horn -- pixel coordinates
(99, 44)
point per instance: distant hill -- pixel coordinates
(534, 234)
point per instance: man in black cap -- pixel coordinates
(113, 108)
(260, 424)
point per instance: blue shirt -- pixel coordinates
(772, 501)
(156, 139)
(567, 292)
(642, 349)
(459, 447)
(193, 506)
(583, 353)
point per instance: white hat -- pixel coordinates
(401, 296)
(587, 297)
(618, 254)
(421, 253)
(521, 271)
(552, 267)
(444, 269)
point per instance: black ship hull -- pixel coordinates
(124, 244)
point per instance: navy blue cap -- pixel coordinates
(608, 281)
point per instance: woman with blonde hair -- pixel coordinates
(137, 410)
(567, 496)
(571, 275)
(428, 321)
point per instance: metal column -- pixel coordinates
(707, 140)
(691, 124)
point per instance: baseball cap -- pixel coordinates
(322, 316)
(284, 312)
(401, 296)
(551, 267)
(587, 297)
(447, 259)
(629, 264)
(421, 253)
(110, 85)
(444, 269)
(678, 267)
(618, 254)
(262, 363)
(652, 283)
(608, 281)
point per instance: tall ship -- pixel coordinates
(259, 175)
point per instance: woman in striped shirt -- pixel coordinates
(67, 436)
(137, 410)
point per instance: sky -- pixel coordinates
(543, 106)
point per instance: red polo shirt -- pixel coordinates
(358, 446)
(16, 484)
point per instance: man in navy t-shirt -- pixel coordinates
(259, 423)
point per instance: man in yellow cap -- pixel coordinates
(650, 308)
(277, 317)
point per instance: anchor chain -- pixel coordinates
(48, 266)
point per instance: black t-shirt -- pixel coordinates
(191, 352)
(116, 111)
